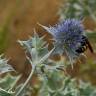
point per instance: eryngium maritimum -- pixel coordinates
(68, 37)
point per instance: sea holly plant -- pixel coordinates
(38, 56)
(69, 37)
(52, 76)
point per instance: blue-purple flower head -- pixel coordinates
(68, 36)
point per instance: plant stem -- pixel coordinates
(14, 84)
(26, 82)
(32, 71)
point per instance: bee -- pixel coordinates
(85, 44)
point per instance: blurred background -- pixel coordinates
(18, 18)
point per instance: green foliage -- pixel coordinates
(65, 86)
(78, 9)
(28, 90)
(5, 93)
(7, 81)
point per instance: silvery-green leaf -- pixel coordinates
(33, 42)
(4, 66)
(8, 81)
(5, 93)
(27, 90)
(46, 56)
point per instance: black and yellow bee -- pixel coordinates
(84, 45)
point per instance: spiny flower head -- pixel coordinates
(68, 36)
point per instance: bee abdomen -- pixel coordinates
(84, 45)
(81, 49)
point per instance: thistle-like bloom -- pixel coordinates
(68, 37)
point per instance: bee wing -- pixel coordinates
(89, 46)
